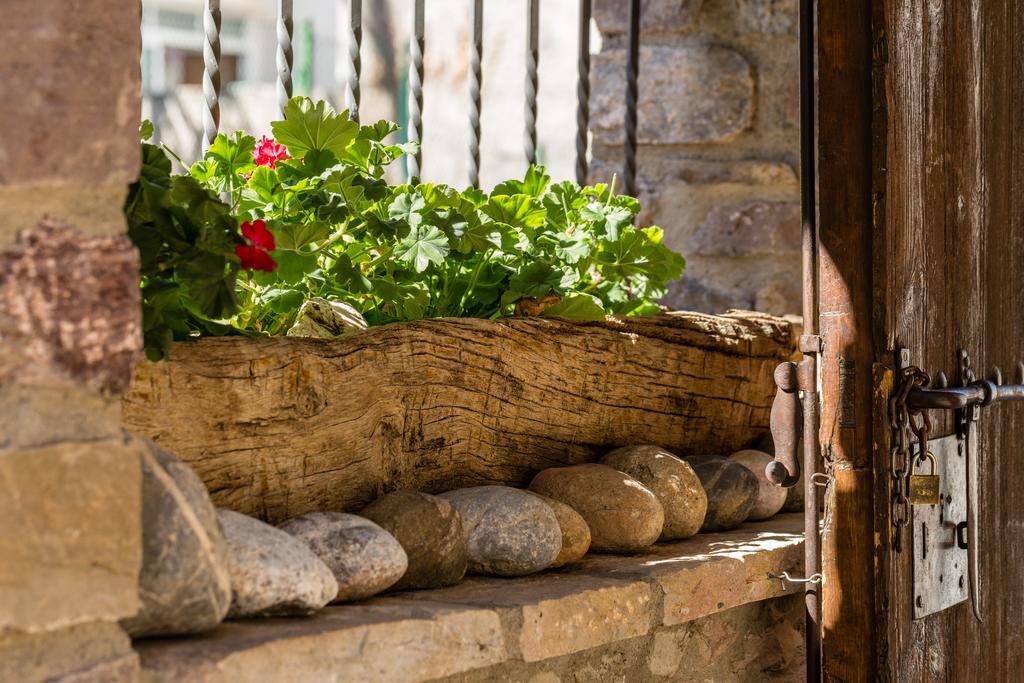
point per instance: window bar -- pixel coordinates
(632, 71)
(285, 28)
(355, 41)
(475, 55)
(211, 72)
(583, 93)
(416, 87)
(532, 29)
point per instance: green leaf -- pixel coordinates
(572, 248)
(234, 152)
(408, 208)
(520, 211)
(296, 236)
(424, 245)
(576, 307)
(292, 266)
(609, 218)
(283, 301)
(537, 279)
(263, 184)
(349, 276)
(534, 185)
(146, 130)
(377, 131)
(309, 126)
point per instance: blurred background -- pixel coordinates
(172, 72)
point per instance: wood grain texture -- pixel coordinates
(844, 177)
(279, 427)
(949, 260)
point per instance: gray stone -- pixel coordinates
(184, 584)
(672, 480)
(750, 229)
(365, 559)
(689, 94)
(575, 532)
(509, 532)
(668, 16)
(690, 293)
(731, 489)
(623, 515)
(273, 574)
(322, 319)
(780, 294)
(777, 17)
(770, 497)
(431, 533)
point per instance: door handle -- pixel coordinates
(785, 421)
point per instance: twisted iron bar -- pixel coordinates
(632, 71)
(355, 41)
(583, 93)
(532, 29)
(285, 27)
(211, 72)
(475, 73)
(416, 45)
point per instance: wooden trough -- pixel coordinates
(278, 427)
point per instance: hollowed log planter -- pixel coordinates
(278, 427)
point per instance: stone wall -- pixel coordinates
(718, 134)
(70, 543)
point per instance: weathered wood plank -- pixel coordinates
(278, 427)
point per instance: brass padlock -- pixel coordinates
(924, 488)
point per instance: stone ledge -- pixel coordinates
(419, 636)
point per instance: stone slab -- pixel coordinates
(713, 572)
(556, 613)
(379, 641)
(484, 622)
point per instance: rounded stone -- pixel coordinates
(672, 480)
(624, 516)
(770, 497)
(731, 490)
(184, 581)
(575, 532)
(273, 574)
(364, 558)
(509, 532)
(430, 531)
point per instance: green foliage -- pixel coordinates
(186, 238)
(392, 252)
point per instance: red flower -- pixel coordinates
(255, 254)
(268, 152)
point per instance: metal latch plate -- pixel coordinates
(940, 565)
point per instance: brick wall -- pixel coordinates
(718, 141)
(70, 540)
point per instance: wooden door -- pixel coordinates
(920, 173)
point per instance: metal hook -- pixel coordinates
(997, 375)
(1020, 372)
(785, 578)
(941, 381)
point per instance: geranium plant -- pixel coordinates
(317, 220)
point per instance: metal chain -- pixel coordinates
(900, 461)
